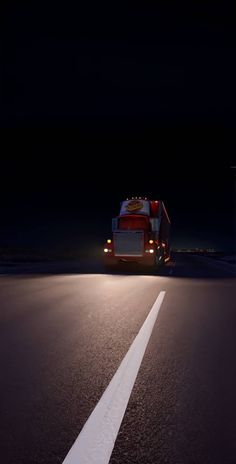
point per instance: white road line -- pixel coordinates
(96, 440)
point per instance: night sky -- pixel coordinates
(103, 102)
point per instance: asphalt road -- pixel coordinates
(63, 337)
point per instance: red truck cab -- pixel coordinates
(140, 234)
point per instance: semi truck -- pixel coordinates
(140, 234)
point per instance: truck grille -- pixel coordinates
(128, 243)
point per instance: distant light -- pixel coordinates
(156, 201)
(108, 240)
(163, 244)
(151, 250)
(106, 250)
(151, 241)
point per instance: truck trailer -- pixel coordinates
(140, 234)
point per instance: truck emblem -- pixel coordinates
(134, 205)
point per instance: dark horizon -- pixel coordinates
(56, 195)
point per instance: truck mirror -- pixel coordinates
(114, 224)
(155, 224)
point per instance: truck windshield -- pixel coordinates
(134, 223)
